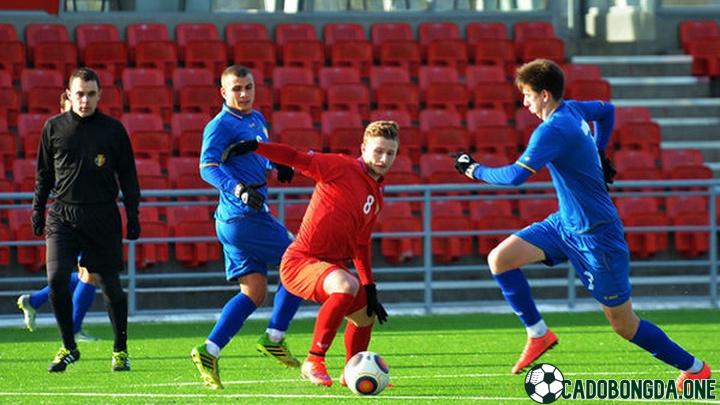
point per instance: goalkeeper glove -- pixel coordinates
(374, 307)
(249, 195)
(608, 168)
(465, 164)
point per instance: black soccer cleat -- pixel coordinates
(62, 359)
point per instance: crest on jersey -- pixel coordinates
(100, 160)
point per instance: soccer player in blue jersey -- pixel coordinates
(252, 238)
(586, 230)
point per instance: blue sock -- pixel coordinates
(235, 312)
(83, 298)
(285, 305)
(40, 297)
(516, 290)
(654, 340)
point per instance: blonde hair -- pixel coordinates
(386, 129)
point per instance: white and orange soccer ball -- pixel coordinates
(366, 373)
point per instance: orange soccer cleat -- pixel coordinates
(316, 372)
(703, 374)
(534, 348)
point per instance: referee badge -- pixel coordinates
(99, 160)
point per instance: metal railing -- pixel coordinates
(427, 271)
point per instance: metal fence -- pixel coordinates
(424, 278)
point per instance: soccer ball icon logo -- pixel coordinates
(544, 383)
(366, 373)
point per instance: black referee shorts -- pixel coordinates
(95, 231)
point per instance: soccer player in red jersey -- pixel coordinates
(336, 228)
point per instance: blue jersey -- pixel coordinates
(228, 127)
(565, 144)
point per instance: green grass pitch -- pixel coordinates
(433, 359)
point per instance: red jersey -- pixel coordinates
(343, 209)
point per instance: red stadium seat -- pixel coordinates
(8, 150)
(635, 164)
(524, 30)
(344, 138)
(547, 48)
(443, 131)
(41, 78)
(192, 77)
(431, 119)
(334, 33)
(187, 33)
(258, 55)
(673, 158)
(282, 120)
(32, 258)
(692, 30)
(397, 217)
(193, 221)
(428, 75)
(333, 75)
(381, 75)
(574, 71)
(148, 136)
(111, 56)
(477, 74)
(492, 215)
(438, 168)
(149, 254)
(489, 132)
(141, 122)
(447, 96)
(145, 32)
(640, 136)
(187, 132)
(264, 100)
(450, 52)
(496, 52)
(357, 55)
(305, 54)
(60, 56)
(290, 32)
(689, 211)
(23, 171)
(302, 97)
(447, 249)
(525, 123)
(150, 175)
(184, 172)
(196, 91)
(706, 57)
(29, 127)
(8, 33)
(301, 138)
(9, 104)
(405, 54)
(495, 96)
(151, 99)
(86, 34)
(282, 76)
(160, 55)
(430, 31)
(536, 210)
(334, 120)
(382, 32)
(643, 212)
(5, 234)
(400, 96)
(349, 97)
(245, 32)
(485, 32)
(112, 101)
(589, 89)
(12, 58)
(628, 114)
(207, 55)
(38, 33)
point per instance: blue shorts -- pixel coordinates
(252, 243)
(600, 257)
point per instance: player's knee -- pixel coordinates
(257, 297)
(341, 282)
(624, 326)
(496, 261)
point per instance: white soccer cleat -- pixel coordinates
(29, 312)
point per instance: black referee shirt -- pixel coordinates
(79, 159)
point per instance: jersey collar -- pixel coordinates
(234, 112)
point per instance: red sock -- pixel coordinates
(357, 339)
(328, 321)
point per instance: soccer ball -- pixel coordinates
(544, 383)
(366, 373)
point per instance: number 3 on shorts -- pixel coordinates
(368, 204)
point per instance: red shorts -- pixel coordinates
(304, 275)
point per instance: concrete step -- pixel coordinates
(674, 107)
(690, 128)
(639, 65)
(659, 86)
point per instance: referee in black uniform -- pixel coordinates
(83, 155)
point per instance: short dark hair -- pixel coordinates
(85, 74)
(236, 70)
(542, 74)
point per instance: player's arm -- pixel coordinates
(362, 265)
(127, 177)
(211, 153)
(603, 114)
(44, 180)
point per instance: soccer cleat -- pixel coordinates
(120, 361)
(703, 374)
(62, 359)
(208, 366)
(23, 302)
(82, 336)
(277, 350)
(316, 372)
(534, 348)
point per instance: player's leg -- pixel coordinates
(275, 240)
(30, 303)
(117, 308)
(61, 256)
(652, 339)
(358, 329)
(536, 243)
(338, 290)
(83, 297)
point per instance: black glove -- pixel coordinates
(608, 168)
(239, 148)
(249, 195)
(465, 164)
(285, 174)
(133, 227)
(37, 219)
(373, 305)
